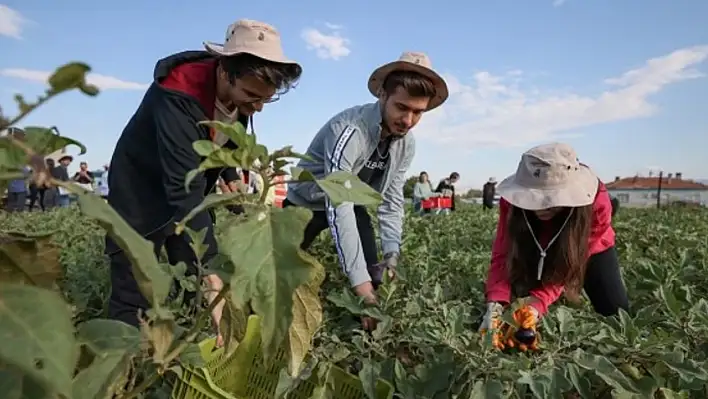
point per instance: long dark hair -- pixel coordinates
(566, 259)
(420, 177)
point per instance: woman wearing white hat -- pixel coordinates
(554, 235)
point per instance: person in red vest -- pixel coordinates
(228, 82)
(554, 236)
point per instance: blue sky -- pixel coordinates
(621, 81)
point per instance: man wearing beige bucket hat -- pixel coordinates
(373, 142)
(228, 82)
(554, 235)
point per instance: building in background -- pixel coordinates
(641, 191)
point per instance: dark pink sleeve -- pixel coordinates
(498, 288)
(602, 235)
(545, 296)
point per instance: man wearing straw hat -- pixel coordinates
(228, 82)
(373, 142)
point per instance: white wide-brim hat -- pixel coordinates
(251, 37)
(410, 62)
(550, 176)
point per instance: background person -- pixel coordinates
(554, 235)
(488, 193)
(84, 177)
(61, 173)
(446, 188)
(422, 190)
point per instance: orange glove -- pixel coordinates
(506, 336)
(525, 337)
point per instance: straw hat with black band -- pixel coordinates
(257, 38)
(411, 62)
(550, 176)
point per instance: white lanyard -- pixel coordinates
(543, 250)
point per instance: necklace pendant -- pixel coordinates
(541, 260)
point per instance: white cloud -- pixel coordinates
(11, 22)
(103, 82)
(327, 46)
(503, 111)
(332, 26)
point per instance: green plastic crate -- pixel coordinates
(243, 375)
(214, 381)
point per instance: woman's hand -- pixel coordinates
(493, 321)
(214, 286)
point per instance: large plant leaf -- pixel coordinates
(44, 141)
(268, 267)
(307, 317)
(37, 336)
(345, 187)
(604, 369)
(102, 335)
(107, 373)
(154, 282)
(15, 385)
(29, 259)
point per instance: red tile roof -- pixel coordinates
(644, 183)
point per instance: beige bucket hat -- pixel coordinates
(251, 37)
(548, 176)
(412, 62)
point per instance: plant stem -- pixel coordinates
(32, 107)
(145, 384)
(193, 332)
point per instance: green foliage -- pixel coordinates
(426, 341)
(260, 265)
(408, 186)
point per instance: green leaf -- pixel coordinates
(103, 377)
(669, 394)
(268, 267)
(44, 141)
(69, 76)
(369, 376)
(236, 132)
(287, 152)
(204, 147)
(14, 385)
(38, 336)
(154, 282)
(605, 370)
(101, 335)
(345, 187)
(539, 384)
(29, 259)
(687, 369)
(192, 356)
(300, 174)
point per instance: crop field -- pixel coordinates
(427, 343)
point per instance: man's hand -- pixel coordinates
(388, 265)
(366, 291)
(231, 187)
(214, 285)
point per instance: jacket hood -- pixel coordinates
(165, 66)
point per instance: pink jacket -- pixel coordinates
(602, 237)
